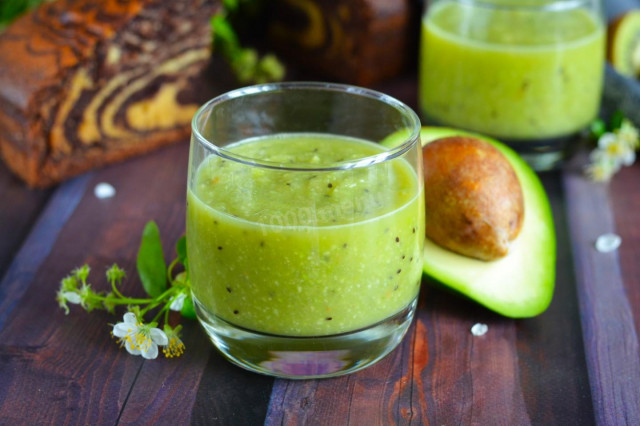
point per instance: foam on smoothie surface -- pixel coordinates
(266, 196)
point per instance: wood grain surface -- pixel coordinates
(18, 212)
(610, 338)
(528, 371)
(577, 363)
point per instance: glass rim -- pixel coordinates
(548, 6)
(407, 143)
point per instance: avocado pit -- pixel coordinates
(474, 201)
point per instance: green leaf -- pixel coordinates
(616, 120)
(187, 308)
(181, 249)
(224, 37)
(152, 268)
(598, 128)
(230, 5)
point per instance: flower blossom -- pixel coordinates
(178, 302)
(175, 347)
(615, 149)
(139, 338)
(628, 134)
(64, 297)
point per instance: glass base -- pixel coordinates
(544, 154)
(541, 154)
(306, 357)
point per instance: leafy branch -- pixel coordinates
(138, 337)
(245, 62)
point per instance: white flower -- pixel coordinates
(63, 297)
(628, 134)
(617, 149)
(139, 338)
(71, 297)
(178, 302)
(175, 347)
(602, 166)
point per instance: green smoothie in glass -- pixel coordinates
(518, 70)
(300, 252)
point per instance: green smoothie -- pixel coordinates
(304, 252)
(513, 74)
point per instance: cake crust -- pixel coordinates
(86, 83)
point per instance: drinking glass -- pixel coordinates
(305, 226)
(528, 72)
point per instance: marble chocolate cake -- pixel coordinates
(86, 83)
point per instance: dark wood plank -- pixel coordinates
(39, 244)
(625, 196)
(550, 347)
(54, 367)
(440, 374)
(230, 395)
(164, 390)
(67, 368)
(610, 338)
(520, 372)
(18, 212)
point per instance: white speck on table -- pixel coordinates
(608, 242)
(479, 329)
(104, 190)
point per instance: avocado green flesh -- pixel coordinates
(520, 284)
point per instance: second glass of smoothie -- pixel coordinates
(528, 72)
(304, 233)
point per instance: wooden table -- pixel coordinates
(578, 363)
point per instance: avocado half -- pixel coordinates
(520, 284)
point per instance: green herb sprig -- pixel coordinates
(167, 291)
(245, 62)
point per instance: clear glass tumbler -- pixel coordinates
(528, 72)
(305, 229)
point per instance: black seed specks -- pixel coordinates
(330, 185)
(398, 271)
(229, 289)
(236, 312)
(219, 247)
(397, 239)
(329, 318)
(344, 245)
